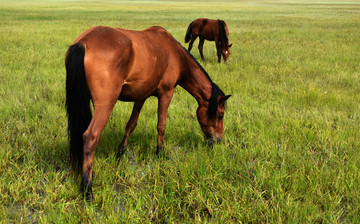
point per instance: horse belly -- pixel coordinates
(136, 91)
(208, 34)
(141, 84)
(143, 79)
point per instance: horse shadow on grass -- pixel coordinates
(142, 145)
(53, 155)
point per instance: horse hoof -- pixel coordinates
(86, 187)
(120, 153)
(159, 149)
(89, 196)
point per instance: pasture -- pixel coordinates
(290, 152)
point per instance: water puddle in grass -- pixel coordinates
(131, 158)
(140, 171)
(119, 189)
(31, 210)
(18, 211)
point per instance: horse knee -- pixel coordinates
(161, 129)
(130, 126)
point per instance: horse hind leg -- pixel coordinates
(200, 47)
(193, 38)
(91, 139)
(130, 126)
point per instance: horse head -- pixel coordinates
(211, 116)
(226, 53)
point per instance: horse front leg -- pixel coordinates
(218, 51)
(163, 105)
(130, 126)
(200, 47)
(91, 139)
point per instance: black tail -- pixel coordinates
(77, 103)
(188, 33)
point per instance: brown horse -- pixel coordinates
(212, 30)
(106, 64)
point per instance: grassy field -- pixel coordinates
(292, 128)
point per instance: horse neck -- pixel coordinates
(196, 81)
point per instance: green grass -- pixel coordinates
(292, 127)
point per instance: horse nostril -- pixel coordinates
(218, 140)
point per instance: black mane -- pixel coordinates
(224, 38)
(216, 91)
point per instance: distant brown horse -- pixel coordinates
(212, 30)
(106, 64)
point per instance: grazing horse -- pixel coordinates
(212, 30)
(106, 64)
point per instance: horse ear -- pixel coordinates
(230, 45)
(223, 98)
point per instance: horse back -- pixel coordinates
(128, 65)
(157, 63)
(206, 28)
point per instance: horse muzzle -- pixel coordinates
(213, 140)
